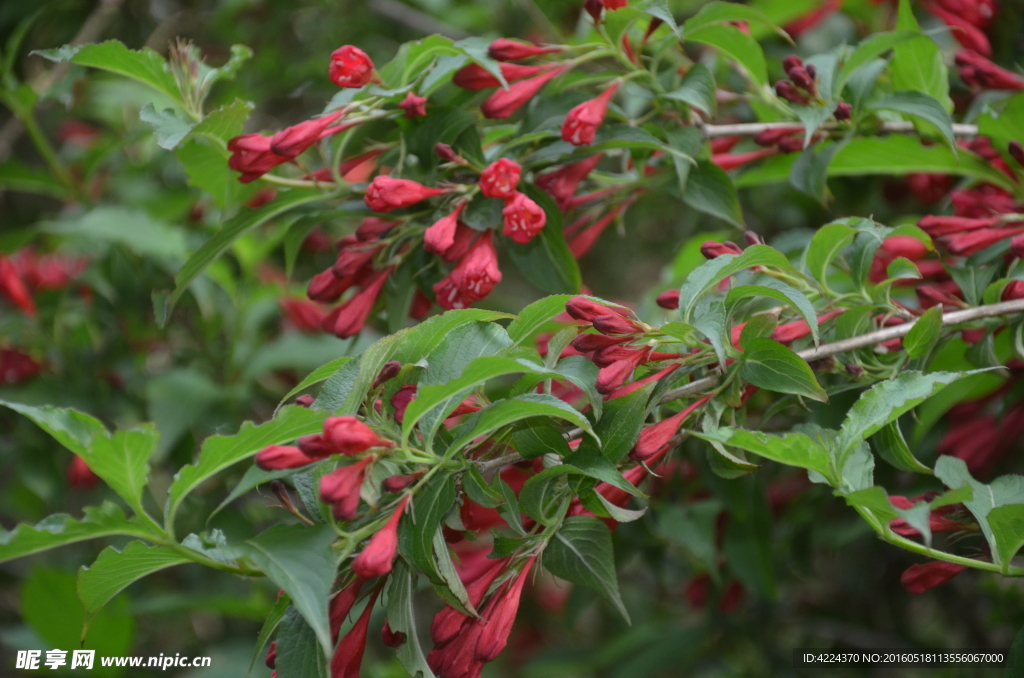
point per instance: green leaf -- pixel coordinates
(402, 619)
(710, 321)
(827, 243)
(300, 560)
(113, 571)
(972, 280)
(322, 373)
(811, 169)
(660, 10)
(535, 437)
(709, 189)
(620, 425)
(220, 452)
(874, 506)
(1003, 124)
(891, 446)
(581, 552)
(697, 89)
(715, 13)
(233, 229)
(708, 275)
(1007, 525)
(144, 65)
(462, 346)
(924, 334)
(169, 128)
(694, 527)
(16, 176)
(544, 496)
(535, 316)
(270, 624)
(416, 536)
(792, 449)
(780, 292)
(734, 44)
(451, 587)
(770, 365)
(298, 655)
(130, 227)
(505, 412)
(508, 509)
(546, 260)
(917, 64)
(204, 153)
(867, 51)
(477, 488)
(61, 529)
(887, 401)
(923, 106)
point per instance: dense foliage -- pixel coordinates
(402, 364)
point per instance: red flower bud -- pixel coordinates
(523, 218)
(379, 554)
(772, 136)
(656, 436)
(975, 241)
(504, 103)
(585, 343)
(349, 436)
(935, 225)
(614, 323)
(372, 228)
(350, 67)
(251, 155)
(401, 400)
(603, 357)
(594, 8)
(964, 32)
(348, 657)
(905, 246)
(791, 62)
(502, 615)
(798, 329)
(585, 310)
(581, 123)
(563, 182)
(978, 71)
(500, 179)
(711, 249)
(348, 319)
(844, 111)
(504, 49)
(340, 488)
(327, 287)
(341, 604)
(447, 153)
(305, 400)
(1017, 152)
(292, 141)
(1017, 246)
(475, 77)
(786, 90)
(391, 638)
(353, 256)
(386, 194)
(668, 299)
(280, 457)
(79, 475)
(477, 272)
(731, 161)
(271, 660)
(414, 105)
(802, 79)
(1015, 290)
(920, 578)
(13, 287)
(439, 237)
(396, 484)
(387, 373)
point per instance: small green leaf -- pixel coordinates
(660, 10)
(544, 496)
(322, 373)
(620, 425)
(169, 128)
(1007, 524)
(708, 275)
(770, 365)
(891, 446)
(505, 412)
(709, 189)
(715, 13)
(477, 488)
(535, 437)
(923, 106)
(508, 509)
(924, 334)
(811, 169)
(144, 65)
(581, 552)
(827, 243)
(535, 316)
(697, 89)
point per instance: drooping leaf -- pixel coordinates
(402, 619)
(892, 447)
(270, 624)
(581, 552)
(416, 536)
(917, 64)
(709, 189)
(923, 106)
(736, 45)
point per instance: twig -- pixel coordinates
(810, 354)
(750, 129)
(415, 19)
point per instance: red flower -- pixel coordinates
(271, 660)
(1016, 151)
(798, 329)
(1015, 290)
(373, 228)
(502, 615)
(711, 249)
(292, 141)
(937, 522)
(400, 401)
(500, 179)
(414, 105)
(611, 377)
(251, 155)
(348, 319)
(935, 225)
(377, 557)
(967, 35)
(341, 604)
(340, 489)
(280, 457)
(978, 71)
(730, 161)
(975, 241)
(668, 299)
(80, 476)
(350, 67)
(505, 102)
(385, 194)
(581, 123)
(585, 310)
(585, 343)
(306, 315)
(16, 366)
(327, 287)
(349, 436)
(354, 255)
(920, 578)
(504, 49)
(396, 484)
(524, 218)
(12, 287)
(613, 323)
(656, 436)
(581, 242)
(1017, 246)
(475, 77)
(813, 18)
(563, 182)
(391, 638)
(348, 657)
(441, 235)
(477, 272)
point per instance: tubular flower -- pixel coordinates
(350, 67)
(327, 287)
(505, 102)
(562, 183)
(377, 557)
(500, 179)
(16, 366)
(280, 457)
(12, 287)
(582, 241)
(978, 71)
(439, 238)
(306, 315)
(396, 484)
(251, 155)
(585, 343)
(503, 614)
(937, 521)
(581, 123)
(340, 489)
(730, 161)
(613, 323)
(477, 271)
(389, 637)
(385, 194)
(1016, 151)
(668, 299)
(611, 377)
(475, 77)
(798, 329)
(711, 249)
(935, 225)
(349, 436)
(975, 241)
(585, 310)
(79, 475)
(656, 436)
(348, 319)
(504, 49)
(920, 578)
(524, 218)
(341, 604)
(964, 32)
(354, 255)
(292, 141)
(349, 655)
(414, 105)
(373, 228)
(1015, 290)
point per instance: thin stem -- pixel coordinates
(910, 545)
(293, 183)
(751, 129)
(49, 155)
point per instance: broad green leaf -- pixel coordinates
(322, 373)
(220, 452)
(736, 45)
(402, 619)
(144, 65)
(299, 655)
(593, 464)
(1007, 525)
(891, 446)
(300, 560)
(229, 232)
(204, 153)
(416, 536)
(973, 281)
(546, 260)
(61, 529)
(697, 89)
(772, 366)
(270, 624)
(114, 570)
(780, 292)
(169, 128)
(505, 412)
(477, 488)
(874, 501)
(811, 169)
(827, 243)
(535, 316)
(544, 497)
(710, 320)
(462, 346)
(707, 276)
(716, 13)
(923, 106)
(535, 437)
(924, 334)
(917, 64)
(581, 552)
(620, 425)
(887, 401)
(1003, 124)
(792, 449)
(415, 343)
(867, 51)
(583, 373)
(709, 189)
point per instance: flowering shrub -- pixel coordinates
(472, 449)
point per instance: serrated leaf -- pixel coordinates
(924, 334)
(581, 552)
(144, 65)
(1007, 524)
(792, 449)
(770, 365)
(298, 654)
(113, 571)
(322, 373)
(61, 529)
(535, 316)
(300, 560)
(169, 128)
(708, 275)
